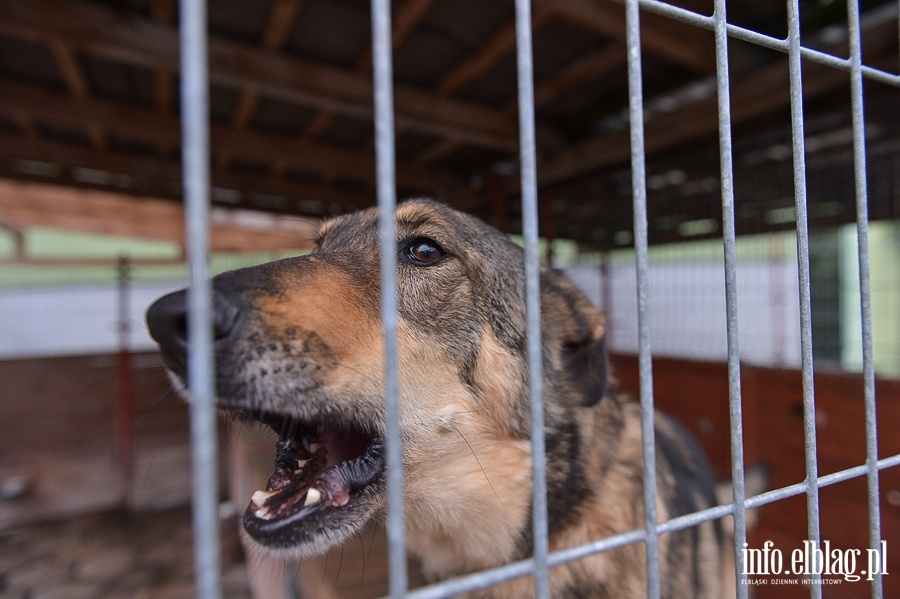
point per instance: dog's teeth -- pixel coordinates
(312, 496)
(259, 497)
(264, 513)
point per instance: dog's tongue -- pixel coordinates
(301, 480)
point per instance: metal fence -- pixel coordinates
(196, 158)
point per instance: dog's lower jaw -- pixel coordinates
(325, 537)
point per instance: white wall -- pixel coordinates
(687, 313)
(687, 309)
(73, 320)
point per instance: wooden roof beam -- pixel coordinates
(409, 15)
(164, 81)
(760, 92)
(281, 18)
(162, 178)
(39, 204)
(695, 51)
(591, 66)
(139, 41)
(73, 75)
(492, 52)
(495, 49)
(152, 126)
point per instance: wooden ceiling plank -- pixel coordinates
(282, 17)
(25, 123)
(136, 40)
(164, 90)
(163, 10)
(591, 66)
(162, 177)
(438, 151)
(764, 90)
(405, 21)
(69, 68)
(318, 124)
(25, 204)
(73, 75)
(244, 110)
(281, 20)
(155, 127)
(495, 49)
(695, 52)
(408, 16)
(163, 80)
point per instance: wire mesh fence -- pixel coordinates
(803, 299)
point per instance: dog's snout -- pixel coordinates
(167, 319)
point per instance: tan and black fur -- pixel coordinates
(302, 337)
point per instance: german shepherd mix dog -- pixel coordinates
(298, 346)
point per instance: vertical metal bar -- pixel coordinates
(124, 407)
(639, 191)
(723, 90)
(195, 154)
(532, 294)
(387, 203)
(865, 295)
(800, 202)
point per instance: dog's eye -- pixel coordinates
(424, 251)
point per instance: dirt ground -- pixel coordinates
(113, 554)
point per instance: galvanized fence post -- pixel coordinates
(201, 377)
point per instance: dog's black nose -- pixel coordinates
(167, 320)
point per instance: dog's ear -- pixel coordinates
(579, 330)
(587, 362)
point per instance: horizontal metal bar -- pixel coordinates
(822, 481)
(486, 578)
(886, 12)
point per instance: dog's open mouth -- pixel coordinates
(319, 469)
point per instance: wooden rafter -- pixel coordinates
(760, 92)
(161, 178)
(694, 51)
(143, 42)
(132, 122)
(591, 66)
(281, 18)
(409, 15)
(164, 80)
(494, 50)
(73, 75)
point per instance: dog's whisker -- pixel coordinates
(158, 444)
(478, 410)
(153, 406)
(337, 576)
(483, 471)
(372, 540)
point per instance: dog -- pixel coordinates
(299, 348)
